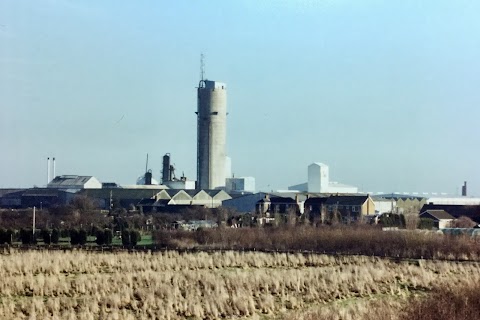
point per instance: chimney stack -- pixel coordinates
(53, 168)
(48, 170)
(464, 189)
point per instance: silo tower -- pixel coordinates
(211, 134)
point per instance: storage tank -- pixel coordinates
(166, 168)
(148, 177)
(211, 134)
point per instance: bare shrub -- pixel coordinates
(355, 239)
(463, 222)
(457, 303)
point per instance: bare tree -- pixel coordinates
(463, 222)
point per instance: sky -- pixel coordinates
(384, 92)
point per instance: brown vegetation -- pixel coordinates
(364, 240)
(171, 285)
(447, 303)
(463, 222)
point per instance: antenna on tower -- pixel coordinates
(202, 67)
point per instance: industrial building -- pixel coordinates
(454, 201)
(168, 177)
(402, 203)
(168, 200)
(240, 185)
(319, 182)
(214, 173)
(38, 197)
(74, 182)
(383, 205)
(211, 134)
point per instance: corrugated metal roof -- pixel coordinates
(6, 192)
(120, 193)
(69, 180)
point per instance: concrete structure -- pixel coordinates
(242, 184)
(319, 182)
(228, 167)
(211, 134)
(75, 182)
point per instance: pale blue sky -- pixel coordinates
(385, 92)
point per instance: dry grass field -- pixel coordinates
(172, 285)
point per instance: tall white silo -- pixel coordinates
(318, 178)
(211, 134)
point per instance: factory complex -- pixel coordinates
(215, 186)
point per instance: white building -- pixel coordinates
(75, 182)
(242, 184)
(384, 205)
(228, 167)
(319, 182)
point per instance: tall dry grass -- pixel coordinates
(345, 240)
(173, 285)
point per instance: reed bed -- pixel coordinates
(172, 285)
(365, 240)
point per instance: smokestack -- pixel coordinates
(48, 170)
(166, 173)
(211, 134)
(54, 168)
(464, 189)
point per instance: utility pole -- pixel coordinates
(33, 222)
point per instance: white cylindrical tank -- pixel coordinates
(211, 135)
